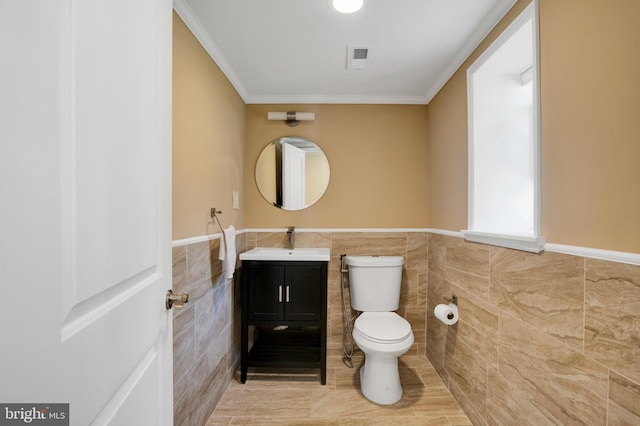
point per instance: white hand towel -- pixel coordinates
(228, 255)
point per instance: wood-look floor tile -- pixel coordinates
(459, 420)
(282, 421)
(219, 421)
(438, 406)
(262, 403)
(286, 399)
(348, 378)
(399, 421)
(351, 403)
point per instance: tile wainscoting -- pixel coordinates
(206, 331)
(544, 338)
(549, 338)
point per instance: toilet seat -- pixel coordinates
(382, 327)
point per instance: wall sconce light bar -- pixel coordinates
(291, 118)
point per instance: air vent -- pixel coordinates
(357, 57)
(360, 53)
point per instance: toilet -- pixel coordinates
(378, 331)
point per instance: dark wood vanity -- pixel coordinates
(285, 304)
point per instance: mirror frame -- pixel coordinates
(292, 156)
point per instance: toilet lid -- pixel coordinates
(383, 327)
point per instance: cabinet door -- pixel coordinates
(305, 293)
(266, 292)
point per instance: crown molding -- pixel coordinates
(336, 99)
(472, 43)
(195, 26)
(192, 22)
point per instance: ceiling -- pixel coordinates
(295, 51)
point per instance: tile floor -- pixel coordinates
(281, 399)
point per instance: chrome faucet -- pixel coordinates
(291, 236)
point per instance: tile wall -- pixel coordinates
(542, 338)
(206, 332)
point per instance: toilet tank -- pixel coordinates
(374, 282)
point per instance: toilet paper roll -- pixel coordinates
(448, 314)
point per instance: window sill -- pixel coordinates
(517, 242)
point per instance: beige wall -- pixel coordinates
(448, 130)
(590, 108)
(590, 91)
(406, 166)
(378, 156)
(208, 139)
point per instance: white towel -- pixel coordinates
(228, 256)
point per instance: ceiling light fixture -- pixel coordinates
(347, 6)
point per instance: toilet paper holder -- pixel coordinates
(453, 299)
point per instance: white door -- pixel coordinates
(293, 177)
(85, 238)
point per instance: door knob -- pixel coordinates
(177, 300)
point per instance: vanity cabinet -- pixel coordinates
(284, 303)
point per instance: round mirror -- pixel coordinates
(292, 173)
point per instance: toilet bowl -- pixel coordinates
(379, 332)
(383, 337)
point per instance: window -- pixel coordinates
(504, 139)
